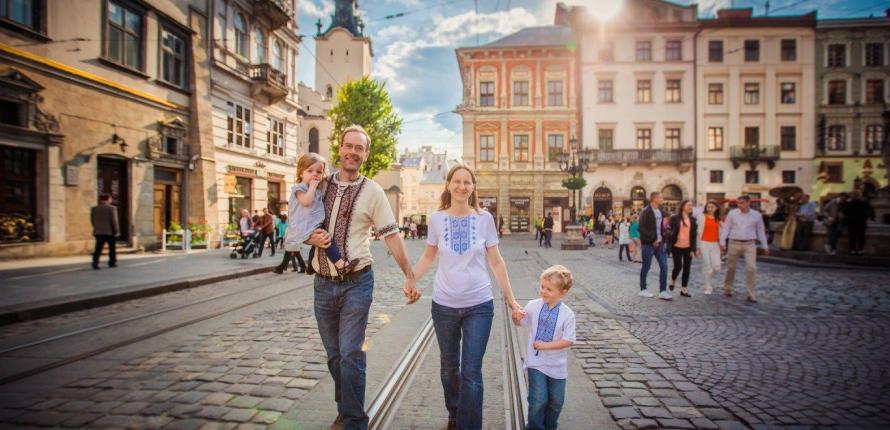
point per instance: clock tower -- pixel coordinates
(343, 53)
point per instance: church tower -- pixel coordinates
(343, 53)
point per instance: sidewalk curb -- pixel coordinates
(63, 305)
(816, 265)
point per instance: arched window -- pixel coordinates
(329, 92)
(313, 140)
(277, 62)
(672, 197)
(259, 47)
(637, 198)
(240, 35)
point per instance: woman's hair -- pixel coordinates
(680, 210)
(716, 210)
(559, 275)
(306, 161)
(445, 198)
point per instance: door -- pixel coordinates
(112, 179)
(602, 202)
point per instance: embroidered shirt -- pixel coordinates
(351, 208)
(546, 323)
(462, 276)
(553, 363)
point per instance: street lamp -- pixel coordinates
(575, 163)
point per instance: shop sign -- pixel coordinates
(520, 202)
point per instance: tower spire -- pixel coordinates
(345, 16)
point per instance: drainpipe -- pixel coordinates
(695, 113)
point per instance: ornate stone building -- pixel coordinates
(756, 104)
(520, 108)
(343, 53)
(638, 103)
(852, 92)
(107, 103)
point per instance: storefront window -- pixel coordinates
(240, 199)
(519, 207)
(18, 216)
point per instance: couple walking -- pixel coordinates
(465, 240)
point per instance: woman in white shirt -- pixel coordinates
(465, 239)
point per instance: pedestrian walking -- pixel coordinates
(103, 217)
(539, 230)
(653, 223)
(551, 334)
(806, 217)
(834, 221)
(708, 222)
(342, 302)
(857, 212)
(465, 240)
(682, 242)
(413, 230)
(743, 228)
(501, 227)
(280, 230)
(634, 232)
(591, 232)
(548, 231)
(266, 229)
(291, 245)
(624, 239)
(607, 230)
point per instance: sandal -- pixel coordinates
(685, 293)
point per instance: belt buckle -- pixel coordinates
(338, 277)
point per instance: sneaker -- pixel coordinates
(707, 291)
(664, 295)
(646, 293)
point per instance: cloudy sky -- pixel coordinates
(414, 53)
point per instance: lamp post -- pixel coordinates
(575, 163)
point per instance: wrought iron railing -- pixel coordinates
(630, 156)
(266, 73)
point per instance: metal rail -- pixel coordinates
(385, 403)
(82, 356)
(516, 386)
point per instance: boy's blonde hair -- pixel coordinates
(307, 160)
(559, 275)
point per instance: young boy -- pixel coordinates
(552, 334)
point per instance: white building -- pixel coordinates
(342, 51)
(638, 103)
(756, 104)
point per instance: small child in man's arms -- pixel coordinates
(552, 334)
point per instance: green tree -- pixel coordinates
(365, 102)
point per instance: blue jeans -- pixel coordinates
(546, 396)
(660, 255)
(341, 310)
(463, 335)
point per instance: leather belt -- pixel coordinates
(743, 241)
(347, 277)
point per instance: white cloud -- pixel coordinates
(709, 8)
(449, 31)
(420, 128)
(392, 32)
(310, 8)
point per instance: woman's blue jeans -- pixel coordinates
(546, 396)
(463, 335)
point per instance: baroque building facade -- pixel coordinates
(519, 109)
(105, 103)
(638, 104)
(852, 94)
(756, 104)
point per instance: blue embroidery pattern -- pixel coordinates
(460, 233)
(547, 323)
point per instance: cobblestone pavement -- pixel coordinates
(811, 354)
(245, 374)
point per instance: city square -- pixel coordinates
(320, 214)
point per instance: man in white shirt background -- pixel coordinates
(744, 228)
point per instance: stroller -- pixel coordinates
(245, 246)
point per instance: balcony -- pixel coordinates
(642, 156)
(276, 12)
(753, 154)
(267, 81)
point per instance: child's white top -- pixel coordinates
(462, 276)
(623, 233)
(553, 363)
(301, 220)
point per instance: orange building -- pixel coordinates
(519, 109)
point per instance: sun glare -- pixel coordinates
(604, 9)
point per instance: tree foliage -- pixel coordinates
(574, 183)
(365, 102)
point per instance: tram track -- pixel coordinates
(7, 379)
(384, 407)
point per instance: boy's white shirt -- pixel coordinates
(553, 363)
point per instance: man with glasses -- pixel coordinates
(353, 204)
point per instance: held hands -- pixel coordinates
(411, 291)
(697, 253)
(516, 313)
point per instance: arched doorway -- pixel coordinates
(602, 201)
(672, 197)
(637, 199)
(313, 140)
